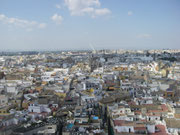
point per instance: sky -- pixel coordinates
(30, 25)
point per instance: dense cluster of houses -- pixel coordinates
(105, 92)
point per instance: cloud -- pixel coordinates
(57, 18)
(2, 17)
(130, 13)
(144, 36)
(29, 30)
(58, 6)
(103, 11)
(21, 23)
(42, 25)
(86, 7)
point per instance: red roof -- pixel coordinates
(137, 112)
(118, 122)
(164, 107)
(140, 128)
(162, 131)
(131, 103)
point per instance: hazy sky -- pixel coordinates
(74, 24)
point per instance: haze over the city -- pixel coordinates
(75, 24)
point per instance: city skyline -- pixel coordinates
(75, 24)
